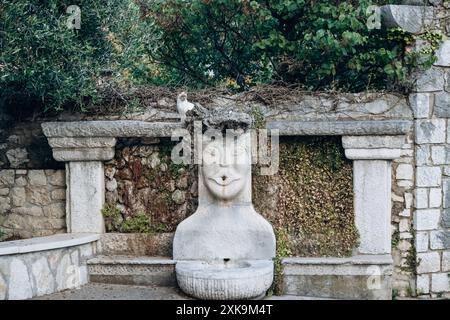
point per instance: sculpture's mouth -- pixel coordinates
(224, 180)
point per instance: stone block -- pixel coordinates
(83, 154)
(427, 219)
(430, 131)
(443, 55)
(408, 200)
(422, 241)
(420, 104)
(43, 277)
(439, 240)
(438, 155)
(37, 177)
(58, 194)
(428, 262)
(404, 172)
(58, 178)
(435, 197)
(440, 282)
(430, 80)
(423, 155)
(7, 178)
(372, 154)
(35, 211)
(55, 210)
(17, 157)
(423, 284)
(412, 19)
(428, 176)
(4, 191)
(19, 281)
(339, 278)
(446, 218)
(82, 142)
(18, 196)
(421, 198)
(38, 196)
(446, 261)
(5, 205)
(442, 105)
(446, 191)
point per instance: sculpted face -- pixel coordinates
(226, 168)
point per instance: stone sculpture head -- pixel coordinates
(226, 167)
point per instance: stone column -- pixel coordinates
(84, 158)
(372, 157)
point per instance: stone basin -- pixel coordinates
(225, 280)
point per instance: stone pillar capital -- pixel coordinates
(82, 148)
(374, 147)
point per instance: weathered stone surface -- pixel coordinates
(443, 54)
(19, 281)
(373, 142)
(446, 261)
(137, 244)
(435, 197)
(442, 105)
(388, 127)
(178, 196)
(18, 196)
(65, 274)
(55, 210)
(111, 185)
(82, 142)
(423, 155)
(404, 171)
(428, 262)
(58, 194)
(430, 131)
(428, 176)
(446, 218)
(58, 178)
(446, 191)
(423, 284)
(440, 282)
(427, 219)
(358, 277)
(7, 177)
(38, 196)
(120, 128)
(34, 211)
(439, 240)
(438, 155)
(412, 19)
(17, 157)
(21, 182)
(37, 177)
(86, 197)
(43, 277)
(422, 240)
(132, 270)
(4, 191)
(372, 192)
(420, 104)
(430, 80)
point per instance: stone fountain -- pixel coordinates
(225, 249)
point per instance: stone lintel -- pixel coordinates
(412, 19)
(113, 129)
(340, 128)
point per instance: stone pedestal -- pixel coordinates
(372, 157)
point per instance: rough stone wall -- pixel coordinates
(32, 203)
(403, 251)
(38, 273)
(151, 193)
(431, 105)
(24, 146)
